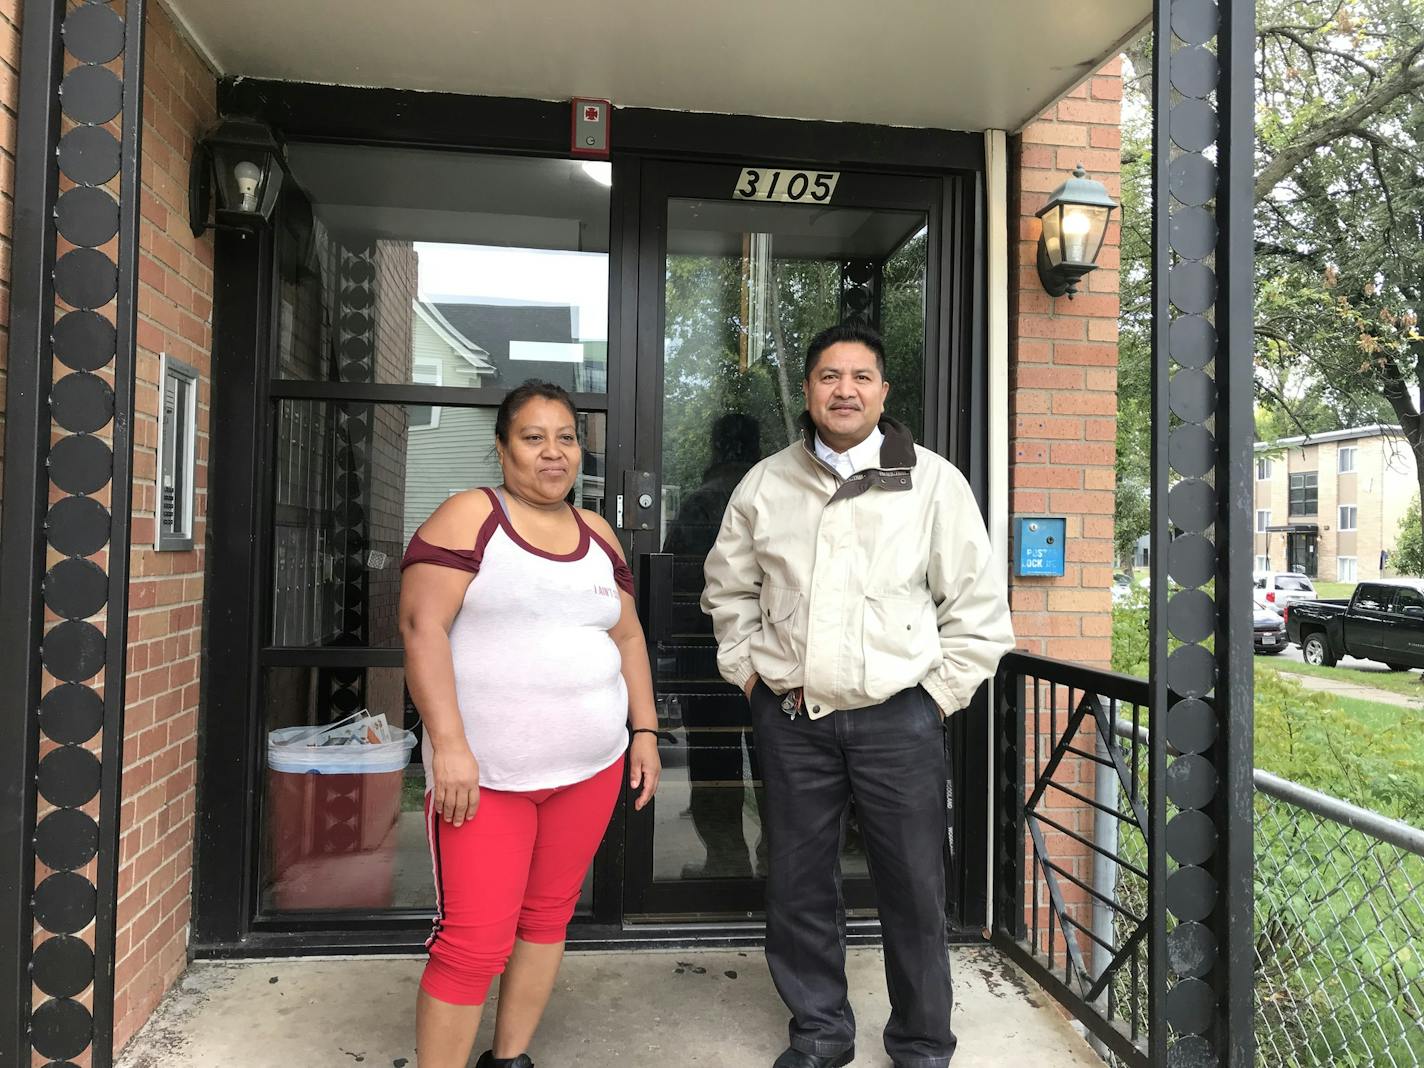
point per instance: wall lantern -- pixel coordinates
(235, 174)
(1075, 221)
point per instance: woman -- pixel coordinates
(524, 656)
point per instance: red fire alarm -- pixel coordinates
(590, 127)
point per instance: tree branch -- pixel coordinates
(1405, 81)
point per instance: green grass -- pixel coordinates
(1329, 591)
(1387, 720)
(1406, 683)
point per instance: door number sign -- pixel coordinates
(792, 187)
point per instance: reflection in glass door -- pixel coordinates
(744, 287)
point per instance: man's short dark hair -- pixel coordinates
(834, 335)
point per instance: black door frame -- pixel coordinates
(661, 181)
(226, 922)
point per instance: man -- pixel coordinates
(856, 602)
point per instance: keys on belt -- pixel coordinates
(791, 703)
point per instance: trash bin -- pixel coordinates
(332, 815)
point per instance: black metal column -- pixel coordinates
(64, 543)
(1201, 863)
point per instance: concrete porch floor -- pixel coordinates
(681, 1007)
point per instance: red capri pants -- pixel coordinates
(514, 870)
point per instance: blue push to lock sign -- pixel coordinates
(1038, 545)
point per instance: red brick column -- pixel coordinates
(1063, 414)
(166, 589)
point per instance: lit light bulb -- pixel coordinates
(1076, 225)
(248, 176)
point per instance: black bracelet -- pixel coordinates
(643, 730)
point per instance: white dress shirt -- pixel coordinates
(856, 458)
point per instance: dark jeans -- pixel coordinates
(890, 758)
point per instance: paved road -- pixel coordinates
(1350, 687)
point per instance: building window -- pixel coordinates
(1347, 459)
(1349, 513)
(1263, 520)
(1304, 493)
(425, 416)
(1263, 563)
(1345, 569)
(177, 432)
(1263, 470)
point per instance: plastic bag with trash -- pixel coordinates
(359, 744)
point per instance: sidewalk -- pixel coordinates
(683, 1007)
(1345, 688)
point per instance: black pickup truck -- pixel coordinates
(1383, 621)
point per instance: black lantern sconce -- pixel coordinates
(235, 176)
(1075, 221)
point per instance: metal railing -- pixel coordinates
(1339, 905)
(1073, 904)
(1339, 931)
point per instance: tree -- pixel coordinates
(1340, 212)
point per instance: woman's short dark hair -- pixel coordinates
(521, 395)
(834, 335)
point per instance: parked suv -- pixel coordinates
(1280, 588)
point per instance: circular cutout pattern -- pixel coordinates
(66, 839)
(89, 155)
(1194, 71)
(84, 340)
(1193, 233)
(86, 278)
(82, 402)
(87, 216)
(71, 714)
(1191, 450)
(1191, 505)
(1191, 950)
(77, 526)
(1191, 893)
(68, 776)
(1191, 725)
(75, 588)
(1192, 1051)
(93, 33)
(1191, 560)
(1191, 179)
(61, 1028)
(1192, 395)
(1192, 125)
(63, 966)
(73, 651)
(1191, 837)
(1191, 671)
(64, 903)
(1191, 615)
(1191, 340)
(1194, 21)
(1191, 781)
(1191, 287)
(1189, 1006)
(80, 463)
(91, 94)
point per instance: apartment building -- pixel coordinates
(1329, 505)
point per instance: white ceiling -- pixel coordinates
(948, 64)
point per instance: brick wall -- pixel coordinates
(166, 591)
(1063, 417)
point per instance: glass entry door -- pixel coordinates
(731, 290)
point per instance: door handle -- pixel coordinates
(655, 585)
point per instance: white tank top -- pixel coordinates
(538, 677)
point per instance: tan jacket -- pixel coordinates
(857, 589)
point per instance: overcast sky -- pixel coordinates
(537, 276)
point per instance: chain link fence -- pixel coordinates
(1339, 932)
